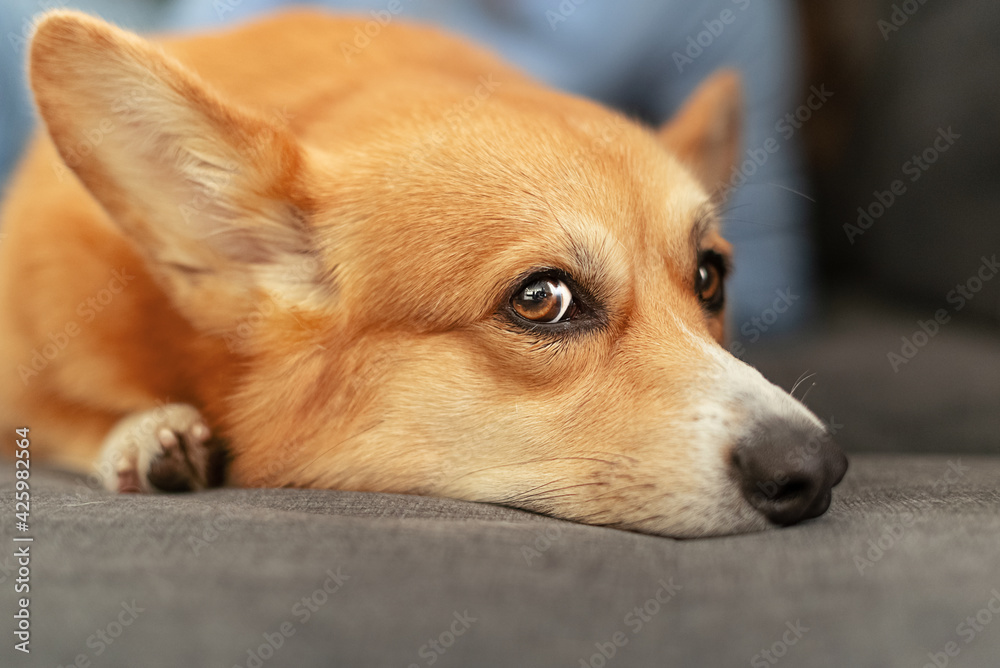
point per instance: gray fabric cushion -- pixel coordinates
(215, 571)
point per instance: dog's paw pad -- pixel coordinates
(182, 463)
(164, 449)
(167, 439)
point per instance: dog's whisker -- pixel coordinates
(543, 485)
(747, 221)
(532, 461)
(549, 497)
(615, 455)
(536, 490)
(803, 378)
(547, 494)
(796, 192)
(631, 524)
(806, 393)
(729, 208)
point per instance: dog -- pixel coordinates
(399, 268)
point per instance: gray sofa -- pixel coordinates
(904, 570)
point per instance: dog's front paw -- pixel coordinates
(164, 449)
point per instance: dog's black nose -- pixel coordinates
(787, 470)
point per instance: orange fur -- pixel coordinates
(332, 297)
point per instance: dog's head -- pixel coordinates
(443, 285)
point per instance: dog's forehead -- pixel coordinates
(580, 177)
(627, 202)
(518, 156)
(493, 197)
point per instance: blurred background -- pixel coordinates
(867, 243)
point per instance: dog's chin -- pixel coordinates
(730, 516)
(754, 523)
(695, 520)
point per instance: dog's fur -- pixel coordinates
(311, 252)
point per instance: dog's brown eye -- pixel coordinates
(708, 281)
(546, 300)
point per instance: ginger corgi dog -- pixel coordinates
(404, 268)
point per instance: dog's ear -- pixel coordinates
(206, 189)
(706, 133)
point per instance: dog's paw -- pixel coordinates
(164, 449)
